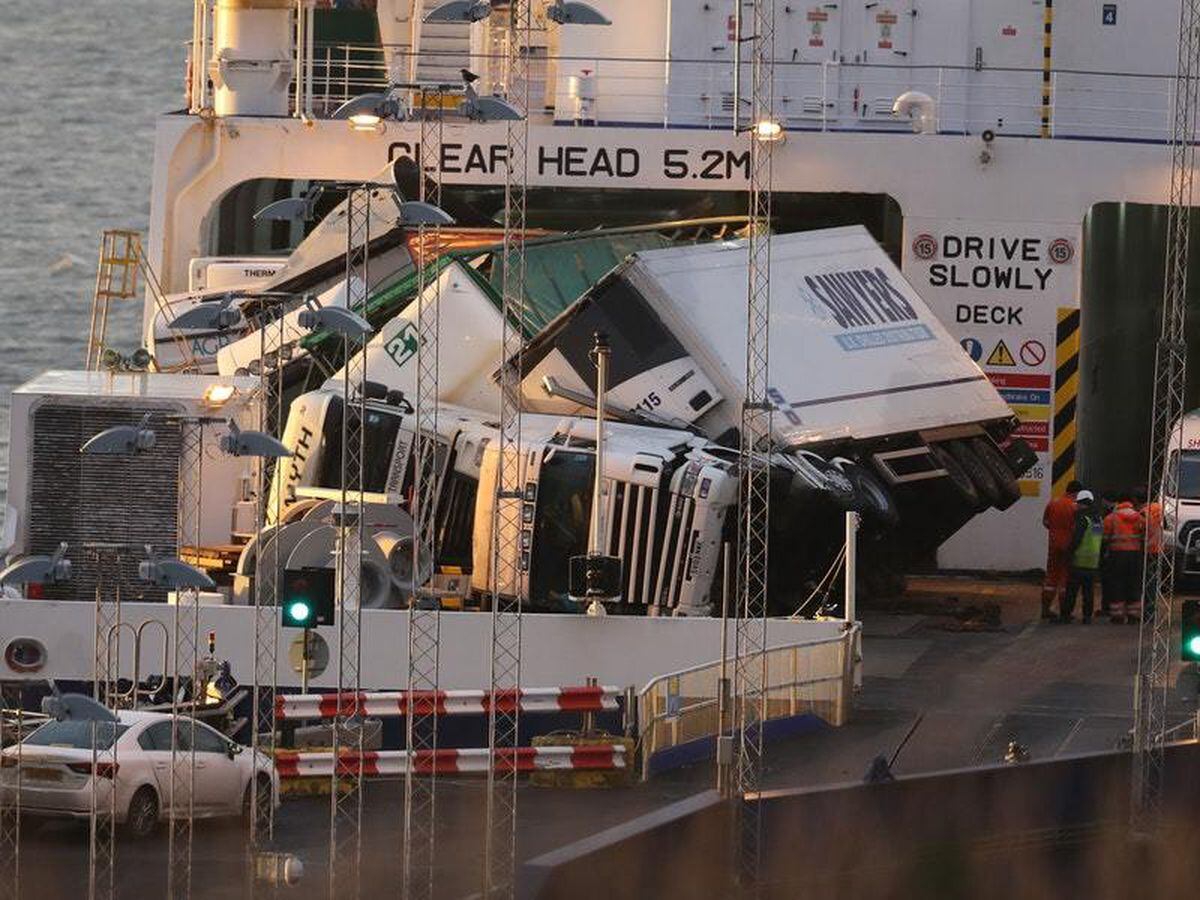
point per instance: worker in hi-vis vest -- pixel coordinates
(1059, 519)
(1087, 539)
(1124, 543)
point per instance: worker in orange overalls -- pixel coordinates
(1059, 519)
(1124, 549)
(1151, 511)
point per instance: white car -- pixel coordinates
(56, 770)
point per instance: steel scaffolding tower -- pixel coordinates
(102, 842)
(267, 567)
(424, 619)
(185, 640)
(507, 567)
(345, 798)
(10, 818)
(1170, 364)
(750, 655)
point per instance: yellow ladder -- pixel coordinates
(122, 260)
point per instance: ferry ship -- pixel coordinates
(990, 150)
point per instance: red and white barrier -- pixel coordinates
(445, 703)
(318, 763)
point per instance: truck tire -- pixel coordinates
(959, 480)
(872, 499)
(980, 475)
(1006, 481)
(831, 483)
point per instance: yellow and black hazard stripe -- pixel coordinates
(1066, 392)
(1047, 73)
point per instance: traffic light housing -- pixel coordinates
(307, 599)
(1189, 631)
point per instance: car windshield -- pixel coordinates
(77, 734)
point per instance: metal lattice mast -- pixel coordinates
(185, 641)
(507, 567)
(10, 818)
(266, 584)
(345, 798)
(1158, 585)
(750, 663)
(102, 844)
(424, 618)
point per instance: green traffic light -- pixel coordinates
(1193, 646)
(299, 611)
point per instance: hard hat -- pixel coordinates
(1084, 497)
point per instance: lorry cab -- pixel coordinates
(1180, 495)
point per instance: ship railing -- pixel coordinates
(823, 96)
(680, 714)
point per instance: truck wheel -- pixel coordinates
(872, 498)
(1006, 481)
(980, 475)
(958, 478)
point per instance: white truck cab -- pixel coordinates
(1180, 494)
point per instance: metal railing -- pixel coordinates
(683, 92)
(815, 677)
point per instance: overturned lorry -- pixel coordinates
(876, 409)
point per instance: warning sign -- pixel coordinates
(1033, 353)
(973, 347)
(1000, 356)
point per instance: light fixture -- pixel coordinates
(460, 11)
(365, 121)
(122, 440)
(366, 112)
(172, 573)
(53, 569)
(337, 319)
(252, 443)
(209, 315)
(293, 209)
(769, 131)
(484, 109)
(218, 394)
(574, 12)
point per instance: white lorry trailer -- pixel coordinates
(1180, 496)
(861, 371)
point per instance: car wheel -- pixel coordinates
(873, 499)
(979, 474)
(1006, 481)
(960, 481)
(142, 818)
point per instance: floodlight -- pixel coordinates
(483, 109)
(53, 569)
(460, 11)
(78, 707)
(172, 573)
(337, 319)
(573, 12)
(417, 212)
(218, 394)
(122, 440)
(251, 443)
(366, 111)
(293, 209)
(768, 131)
(209, 316)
